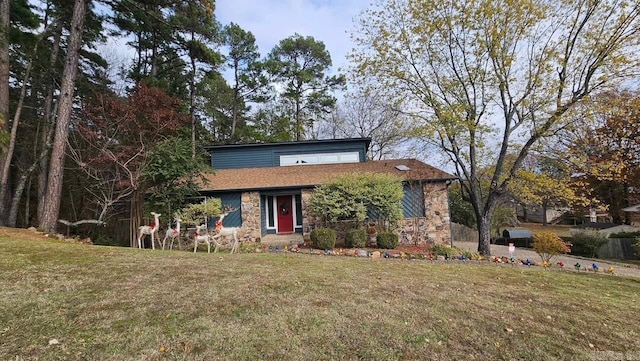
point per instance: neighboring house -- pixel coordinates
(271, 184)
(634, 214)
(605, 228)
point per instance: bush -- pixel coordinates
(589, 240)
(323, 238)
(356, 238)
(548, 244)
(442, 250)
(387, 240)
(625, 235)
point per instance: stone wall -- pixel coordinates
(250, 203)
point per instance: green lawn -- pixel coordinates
(103, 303)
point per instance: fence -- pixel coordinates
(618, 248)
(462, 233)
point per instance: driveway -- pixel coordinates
(622, 269)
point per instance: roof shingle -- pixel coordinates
(313, 175)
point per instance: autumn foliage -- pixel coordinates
(122, 130)
(548, 244)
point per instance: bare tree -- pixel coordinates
(368, 113)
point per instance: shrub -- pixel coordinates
(625, 235)
(548, 244)
(387, 240)
(353, 196)
(442, 250)
(323, 238)
(356, 238)
(590, 240)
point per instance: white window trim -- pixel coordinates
(296, 159)
(274, 202)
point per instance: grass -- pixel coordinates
(107, 303)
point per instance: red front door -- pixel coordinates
(285, 214)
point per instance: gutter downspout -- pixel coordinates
(447, 184)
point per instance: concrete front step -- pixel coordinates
(282, 239)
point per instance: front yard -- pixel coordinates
(65, 301)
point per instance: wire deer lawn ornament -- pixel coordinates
(201, 235)
(173, 233)
(223, 232)
(149, 230)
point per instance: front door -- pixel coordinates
(285, 214)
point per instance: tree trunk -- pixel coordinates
(20, 187)
(484, 234)
(4, 87)
(135, 215)
(46, 133)
(236, 92)
(56, 166)
(544, 214)
(192, 96)
(8, 156)
(4, 64)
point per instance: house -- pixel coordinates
(633, 214)
(271, 184)
(604, 228)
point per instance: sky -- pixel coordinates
(270, 21)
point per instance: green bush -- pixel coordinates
(356, 238)
(589, 240)
(442, 250)
(625, 235)
(387, 240)
(323, 238)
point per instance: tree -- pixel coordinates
(248, 72)
(545, 182)
(299, 64)
(488, 78)
(605, 150)
(367, 113)
(4, 64)
(56, 167)
(120, 147)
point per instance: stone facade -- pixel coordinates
(250, 203)
(435, 226)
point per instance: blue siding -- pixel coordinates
(413, 200)
(263, 219)
(268, 155)
(233, 219)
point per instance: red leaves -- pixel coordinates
(123, 128)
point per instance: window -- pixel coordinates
(319, 158)
(298, 210)
(269, 209)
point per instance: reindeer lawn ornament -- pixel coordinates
(201, 235)
(172, 233)
(223, 232)
(149, 230)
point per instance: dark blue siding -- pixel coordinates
(233, 219)
(413, 200)
(268, 155)
(263, 220)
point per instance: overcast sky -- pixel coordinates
(270, 21)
